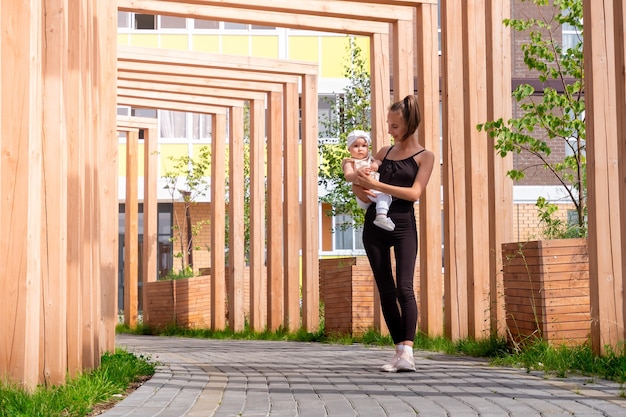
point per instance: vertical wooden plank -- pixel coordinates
(20, 186)
(380, 101)
(604, 186)
(499, 105)
(476, 166)
(431, 288)
(310, 220)
(291, 219)
(403, 32)
(54, 197)
(275, 290)
(75, 191)
(87, 171)
(105, 37)
(258, 307)
(131, 230)
(218, 193)
(619, 14)
(236, 252)
(454, 198)
(150, 207)
(379, 83)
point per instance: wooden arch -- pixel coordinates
(408, 23)
(285, 228)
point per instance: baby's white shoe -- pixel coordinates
(385, 223)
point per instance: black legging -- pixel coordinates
(402, 321)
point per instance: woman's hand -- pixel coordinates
(365, 179)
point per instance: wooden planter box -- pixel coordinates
(546, 290)
(347, 292)
(183, 303)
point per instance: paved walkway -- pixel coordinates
(224, 378)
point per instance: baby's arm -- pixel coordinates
(348, 170)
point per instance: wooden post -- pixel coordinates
(218, 201)
(291, 220)
(604, 44)
(54, 199)
(501, 191)
(236, 258)
(427, 58)
(310, 220)
(275, 286)
(131, 230)
(258, 306)
(454, 181)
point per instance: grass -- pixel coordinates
(82, 395)
(119, 371)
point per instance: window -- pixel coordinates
(123, 20)
(172, 124)
(205, 24)
(173, 22)
(571, 35)
(201, 126)
(145, 21)
(345, 236)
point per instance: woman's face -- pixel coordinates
(396, 125)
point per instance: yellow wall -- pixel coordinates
(145, 40)
(206, 43)
(304, 48)
(121, 158)
(175, 42)
(265, 46)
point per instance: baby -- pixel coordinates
(358, 146)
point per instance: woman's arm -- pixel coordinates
(425, 162)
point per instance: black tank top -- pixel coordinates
(401, 173)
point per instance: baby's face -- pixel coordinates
(359, 148)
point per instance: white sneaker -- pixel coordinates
(406, 363)
(385, 223)
(391, 366)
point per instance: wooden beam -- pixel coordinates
(243, 84)
(175, 98)
(260, 17)
(329, 8)
(149, 56)
(190, 90)
(205, 72)
(169, 105)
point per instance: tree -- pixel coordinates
(187, 179)
(560, 113)
(350, 110)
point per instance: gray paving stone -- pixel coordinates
(227, 378)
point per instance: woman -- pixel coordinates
(404, 173)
